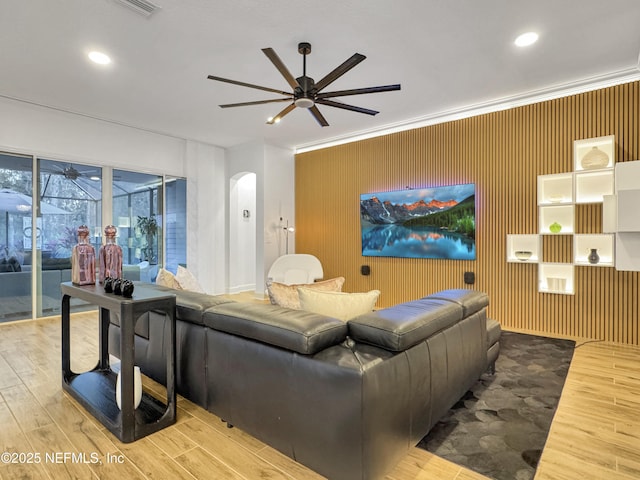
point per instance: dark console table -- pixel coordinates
(95, 389)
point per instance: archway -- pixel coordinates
(242, 232)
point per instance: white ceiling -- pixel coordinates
(446, 54)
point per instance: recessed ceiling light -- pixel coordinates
(526, 39)
(99, 58)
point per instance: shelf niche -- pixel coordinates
(555, 189)
(584, 243)
(556, 278)
(593, 186)
(561, 214)
(518, 244)
(584, 148)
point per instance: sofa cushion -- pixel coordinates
(404, 325)
(340, 305)
(287, 295)
(296, 330)
(56, 263)
(471, 301)
(190, 306)
(10, 264)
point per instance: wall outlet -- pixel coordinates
(469, 278)
(365, 270)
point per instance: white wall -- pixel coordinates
(206, 174)
(241, 160)
(279, 201)
(57, 135)
(275, 197)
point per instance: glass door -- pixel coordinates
(42, 204)
(70, 196)
(137, 214)
(16, 236)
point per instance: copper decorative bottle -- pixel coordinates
(110, 255)
(83, 259)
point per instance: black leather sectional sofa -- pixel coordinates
(347, 399)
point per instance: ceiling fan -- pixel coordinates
(306, 92)
(69, 172)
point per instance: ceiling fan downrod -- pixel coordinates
(304, 96)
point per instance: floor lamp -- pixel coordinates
(288, 229)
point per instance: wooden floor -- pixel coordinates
(595, 434)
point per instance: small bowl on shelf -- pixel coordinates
(555, 198)
(523, 255)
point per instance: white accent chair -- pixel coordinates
(295, 268)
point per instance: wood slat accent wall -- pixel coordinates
(502, 153)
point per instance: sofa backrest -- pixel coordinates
(404, 325)
(295, 330)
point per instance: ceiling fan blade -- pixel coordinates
(332, 103)
(318, 116)
(339, 71)
(284, 71)
(279, 116)
(258, 102)
(250, 85)
(359, 91)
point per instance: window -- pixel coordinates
(36, 242)
(16, 234)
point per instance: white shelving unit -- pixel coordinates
(519, 246)
(620, 216)
(591, 181)
(628, 217)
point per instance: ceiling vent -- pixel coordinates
(143, 7)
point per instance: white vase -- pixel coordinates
(594, 158)
(137, 389)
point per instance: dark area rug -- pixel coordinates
(500, 426)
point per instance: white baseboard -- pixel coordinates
(242, 288)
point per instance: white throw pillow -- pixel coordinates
(287, 295)
(187, 281)
(167, 279)
(340, 305)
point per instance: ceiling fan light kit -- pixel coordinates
(306, 92)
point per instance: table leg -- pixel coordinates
(66, 339)
(171, 363)
(103, 339)
(127, 360)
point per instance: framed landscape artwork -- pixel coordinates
(435, 222)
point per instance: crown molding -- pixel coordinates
(619, 77)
